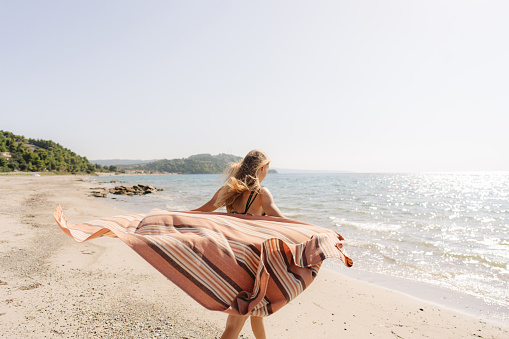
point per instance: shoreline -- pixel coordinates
(53, 286)
(436, 295)
(432, 293)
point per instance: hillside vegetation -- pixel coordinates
(37, 155)
(195, 164)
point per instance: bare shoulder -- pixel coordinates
(269, 207)
(265, 191)
(266, 195)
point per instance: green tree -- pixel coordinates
(3, 162)
(41, 155)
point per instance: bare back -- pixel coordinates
(262, 203)
(239, 206)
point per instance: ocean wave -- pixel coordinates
(364, 244)
(372, 227)
(295, 215)
(477, 259)
(166, 197)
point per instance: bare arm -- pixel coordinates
(209, 206)
(268, 205)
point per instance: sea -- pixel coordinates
(443, 237)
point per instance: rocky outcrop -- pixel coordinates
(99, 192)
(134, 190)
(125, 190)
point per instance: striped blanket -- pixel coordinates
(238, 264)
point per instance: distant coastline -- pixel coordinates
(137, 164)
(195, 164)
(304, 171)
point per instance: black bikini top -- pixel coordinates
(250, 201)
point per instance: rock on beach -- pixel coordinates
(125, 190)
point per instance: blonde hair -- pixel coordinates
(240, 177)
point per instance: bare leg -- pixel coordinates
(258, 327)
(234, 325)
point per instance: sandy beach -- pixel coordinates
(53, 287)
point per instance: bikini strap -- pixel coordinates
(250, 201)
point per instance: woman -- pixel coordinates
(240, 262)
(243, 194)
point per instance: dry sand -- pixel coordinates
(53, 287)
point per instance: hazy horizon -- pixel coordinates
(299, 170)
(413, 86)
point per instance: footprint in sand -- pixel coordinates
(30, 287)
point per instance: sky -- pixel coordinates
(364, 86)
